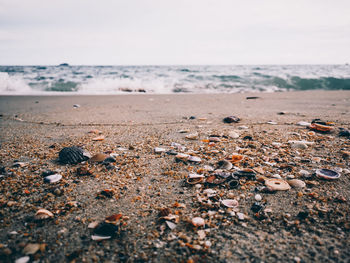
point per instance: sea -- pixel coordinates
(65, 79)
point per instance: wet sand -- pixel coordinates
(306, 224)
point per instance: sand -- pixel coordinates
(307, 224)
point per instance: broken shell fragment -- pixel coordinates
(97, 158)
(277, 184)
(195, 178)
(224, 164)
(320, 128)
(42, 214)
(170, 224)
(246, 173)
(73, 155)
(98, 138)
(327, 174)
(231, 119)
(159, 150)
(31, 249)
(236, 158)
(52, 178)
(192, 136)
(194, 159)
(230, 203)
(198, 221)
(296, 183)
(106, 230)
(98, 238)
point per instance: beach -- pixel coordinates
(145, 191)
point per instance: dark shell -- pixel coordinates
(73, 155)
(248, 174)
(106, 229)
(231, 119)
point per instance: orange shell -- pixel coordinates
(320, 127)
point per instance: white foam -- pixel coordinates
(13, 85)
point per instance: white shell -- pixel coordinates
(194, 159)
(198, 221)
(240, 216)
(193, 175)
(53, 178)
(170, 224)
(159, 150)
(258, 197)
(277, 184)
(97, 237)
(22, 259)
(230, 203)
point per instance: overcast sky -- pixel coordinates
(120, 32)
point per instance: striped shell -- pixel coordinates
(73, 155)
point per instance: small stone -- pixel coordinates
(303, 123)
(290, 176)
(304, 173)
(201, 234)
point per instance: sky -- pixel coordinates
(172, 32)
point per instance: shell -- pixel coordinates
(31, 248)
(194, 159)
(195, 178)
(106, 230)
(233, 134)
(320, 127)
(214, 139)
(97, 158)
(327, 174)
(198, 221)
(43, 214)
(246, 173)
(22, 259)
(230, 203)
(53, 178)
(296, 183)
(277, 184)
(224, 164)
(231, 119)
(73, 155)
(98, 138)
(192, 136)
(159, 150)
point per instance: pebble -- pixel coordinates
(230, 203)
(299, 145)
(290, 176)
(303, 123)
(231, 119)
(258, 197)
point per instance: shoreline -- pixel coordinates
(304, 224)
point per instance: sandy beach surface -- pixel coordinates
(142, 197)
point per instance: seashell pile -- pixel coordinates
(73, 155)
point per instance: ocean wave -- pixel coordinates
(26, 80)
